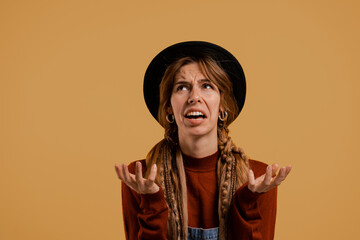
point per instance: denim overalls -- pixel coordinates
(200, 234)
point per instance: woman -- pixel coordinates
(195, 183)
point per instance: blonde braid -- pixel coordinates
(232, 173)
(171, 181)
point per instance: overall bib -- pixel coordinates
(203, 234)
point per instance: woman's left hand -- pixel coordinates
(268, 180)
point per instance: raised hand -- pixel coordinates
(268, 180)
(137, 182)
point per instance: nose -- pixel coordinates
(194, 96)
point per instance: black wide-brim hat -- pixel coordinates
(194, 49)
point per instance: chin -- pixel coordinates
(200, 131)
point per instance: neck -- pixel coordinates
(198, 147)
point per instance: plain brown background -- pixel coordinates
(71, 106)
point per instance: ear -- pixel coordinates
(169, 110)
(221, 108)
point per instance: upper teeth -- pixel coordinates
(195, 114)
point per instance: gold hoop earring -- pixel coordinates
(170, 118)
(223, 116)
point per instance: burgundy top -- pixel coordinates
(202, 191)
(252, 215)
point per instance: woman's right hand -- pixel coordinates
(137, 182)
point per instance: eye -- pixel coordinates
(181, 88)
(207, 86)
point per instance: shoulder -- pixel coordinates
(259, 168)
(132, 166)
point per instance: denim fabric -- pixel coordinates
(200, 233)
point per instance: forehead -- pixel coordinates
(191, 71)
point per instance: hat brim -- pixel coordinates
(159, 64)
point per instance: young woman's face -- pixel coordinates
(195, 102)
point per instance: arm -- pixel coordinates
(252, 215)
(145, 215)
(253, 210)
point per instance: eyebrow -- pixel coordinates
(186, 82)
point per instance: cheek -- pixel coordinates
(175, 104)
(215, 103)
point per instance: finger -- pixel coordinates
(152, 174)
(251, 184)
(127, 177)
(281, 176)
(118, 171)
(268, 175)
(275, 167)
(149, 182)
(288, 169)
(138, 173)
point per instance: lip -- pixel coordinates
(195, 121)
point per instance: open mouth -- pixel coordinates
(195, 115)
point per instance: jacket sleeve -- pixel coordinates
(145, 215)
(252, 215)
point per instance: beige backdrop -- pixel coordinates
(71, 107)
